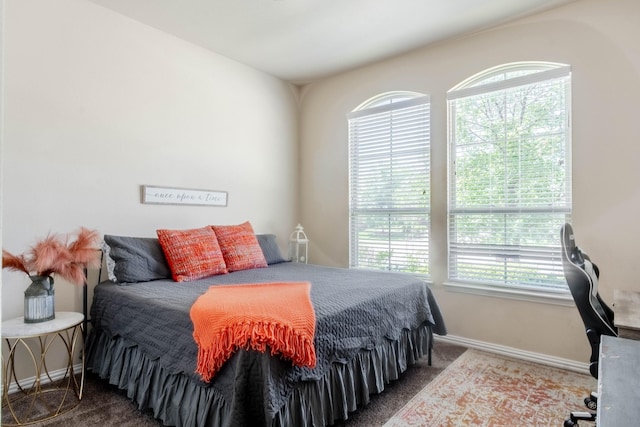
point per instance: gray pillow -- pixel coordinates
(137, 259)
(270, 248)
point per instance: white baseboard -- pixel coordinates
(56, 375)
(516, 353)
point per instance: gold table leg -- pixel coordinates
(42, 400)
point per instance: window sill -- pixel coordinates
(556, 298)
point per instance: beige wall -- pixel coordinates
(97, 104)
(598, 38)
(2, 40)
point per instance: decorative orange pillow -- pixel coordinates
(192, 254)
(240, 247)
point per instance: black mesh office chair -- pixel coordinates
(582, 277)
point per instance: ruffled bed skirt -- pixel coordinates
(177, 399)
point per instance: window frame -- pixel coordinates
(385, 104)
(487, 82)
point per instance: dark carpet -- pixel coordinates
(105, 405)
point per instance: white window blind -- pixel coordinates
(510, 178)
(389, 184)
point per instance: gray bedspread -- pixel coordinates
(355, 309)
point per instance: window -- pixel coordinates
(389, 183)
(510, 177)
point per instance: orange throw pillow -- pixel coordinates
(192, 254)
(240, 247)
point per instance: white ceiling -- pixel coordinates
(303, 40)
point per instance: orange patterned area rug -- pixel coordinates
(483, 389)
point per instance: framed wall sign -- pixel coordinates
(182, 196)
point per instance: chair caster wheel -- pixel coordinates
(591, 404)
(569, 423)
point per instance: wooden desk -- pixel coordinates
(618, 382)
(626, 305)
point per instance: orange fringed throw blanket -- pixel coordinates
(254, 316)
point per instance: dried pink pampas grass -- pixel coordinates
(52, 255)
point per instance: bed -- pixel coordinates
(369, 327)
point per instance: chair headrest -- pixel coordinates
(571, 252)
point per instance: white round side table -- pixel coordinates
(43, 397)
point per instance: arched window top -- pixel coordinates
(510, 75)
(387, 98)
